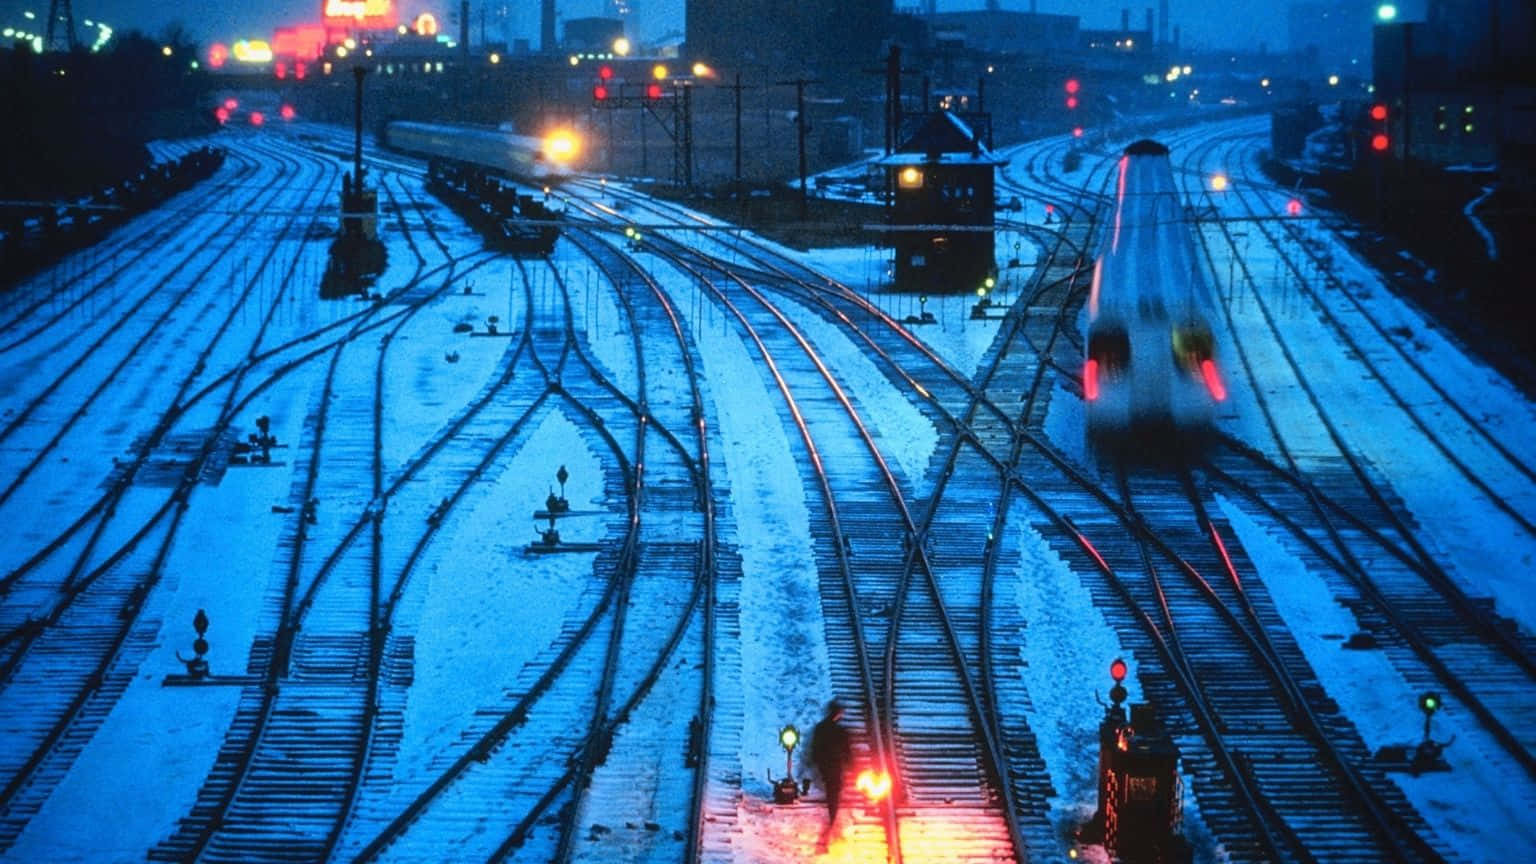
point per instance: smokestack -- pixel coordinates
(464, 29)
(1162, 22)
(1125, 20)
(547, 26)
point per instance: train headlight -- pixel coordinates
(562, 145)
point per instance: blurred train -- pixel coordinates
(497, 151)
(1152, 360)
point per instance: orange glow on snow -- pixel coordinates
(937, 839)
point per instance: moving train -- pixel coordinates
(499, 151)
(1152, 360)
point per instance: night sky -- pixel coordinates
(1205, 23)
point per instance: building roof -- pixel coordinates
(946, 139)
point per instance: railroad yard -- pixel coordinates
(531, 558)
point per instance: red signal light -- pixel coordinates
(1293, 207)
(1071, 102)
(1072, 85)
(1077, 131)
(1378, 112)
(287, 112)
(1091, 392)
(1117, 670)
(653, 91)
(257, 118)
(599, 93)
(605, 72)
(280, 69)
(230, 104)
(1379, 142)
(223, 114)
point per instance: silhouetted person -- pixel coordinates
(831, 751)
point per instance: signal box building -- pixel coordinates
(943, 188)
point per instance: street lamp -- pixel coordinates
(1386, 12)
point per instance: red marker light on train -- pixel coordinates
(1117, 670)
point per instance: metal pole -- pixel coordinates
(800, 128)
(357, 128)
(737, 88)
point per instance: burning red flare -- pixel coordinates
(874, 784)
(1091, 379)
(1212, 380)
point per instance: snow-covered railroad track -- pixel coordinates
(95, 274)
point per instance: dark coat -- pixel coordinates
(830, 748)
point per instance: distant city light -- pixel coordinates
(350, 43)
(621, 46)
(495, 58)
(1386, 12)
(701, 70)
(1333, 80)
(575, 61)
(1263, 82)
(165, 50)
(253, 51)
(1218, 182)
(341, 50)
(659, 71)
(426, 24)
(1189, 70)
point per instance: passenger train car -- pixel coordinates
(496, 150)
(1152, 360)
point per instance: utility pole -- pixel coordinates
(737, 87)
(801, 127)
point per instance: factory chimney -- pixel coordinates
(464, 29)
(547, 26)
(1162, 22)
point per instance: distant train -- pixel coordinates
(1152, 359)
(498, 151)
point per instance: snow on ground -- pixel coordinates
(142, 769)
(479, 613)
(485, 609)
(1481, 807)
